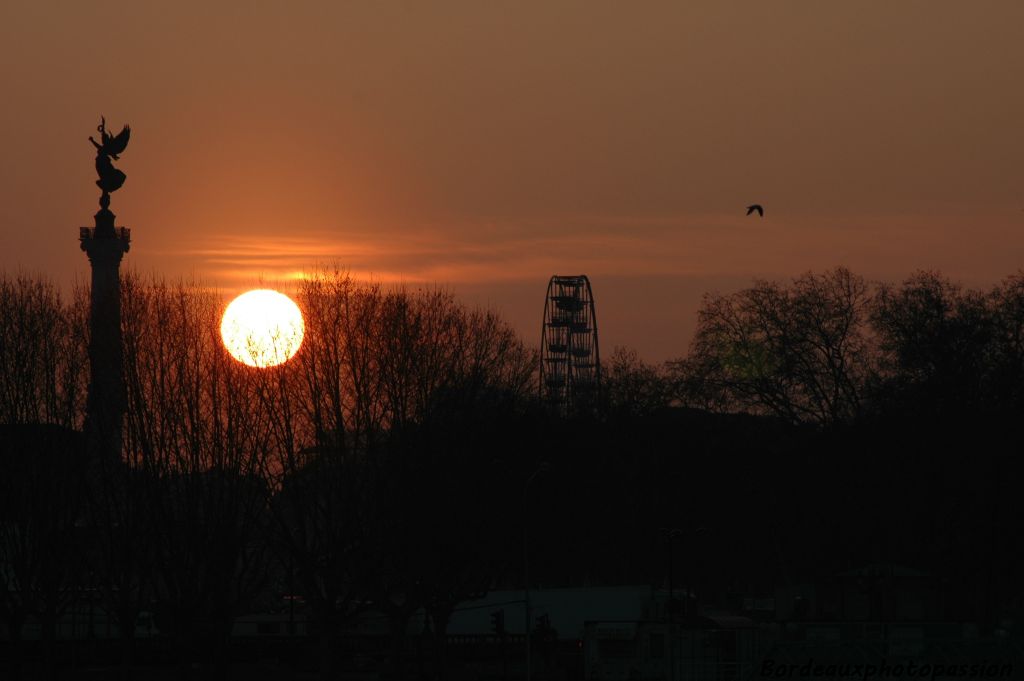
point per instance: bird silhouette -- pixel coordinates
(757, 207)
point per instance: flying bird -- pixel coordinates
(757, 207)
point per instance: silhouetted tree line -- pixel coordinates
(824, 424)
(814, 427)
(833, 348)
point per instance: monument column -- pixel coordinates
(105, 245)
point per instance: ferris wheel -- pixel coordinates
(570, 366)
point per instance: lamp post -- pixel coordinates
(671, 534)
(526, 561)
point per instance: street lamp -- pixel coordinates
(671, 534)
(526, 560)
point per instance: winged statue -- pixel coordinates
(108, 148)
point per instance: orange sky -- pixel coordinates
(490, 145)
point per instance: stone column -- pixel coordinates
(105, 245)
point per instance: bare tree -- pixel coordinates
(42, 459)
(632, 386)
(43, 360)
(375, 370)
(1006, 301)
(182, 514)
(323, 420)
(802, 352)
(429, 344)
(453, 379)
(936, 342)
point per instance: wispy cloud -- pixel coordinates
(497, 250)
(489, 251)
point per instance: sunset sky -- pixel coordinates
(486, 146)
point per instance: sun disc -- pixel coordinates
(262, 328)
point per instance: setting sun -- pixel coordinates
(262, 328)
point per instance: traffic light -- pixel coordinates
(498, 622)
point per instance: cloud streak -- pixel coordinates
(509, 250)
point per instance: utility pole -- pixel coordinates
(526, 561)
(670, 535)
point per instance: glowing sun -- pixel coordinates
(262, 328)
